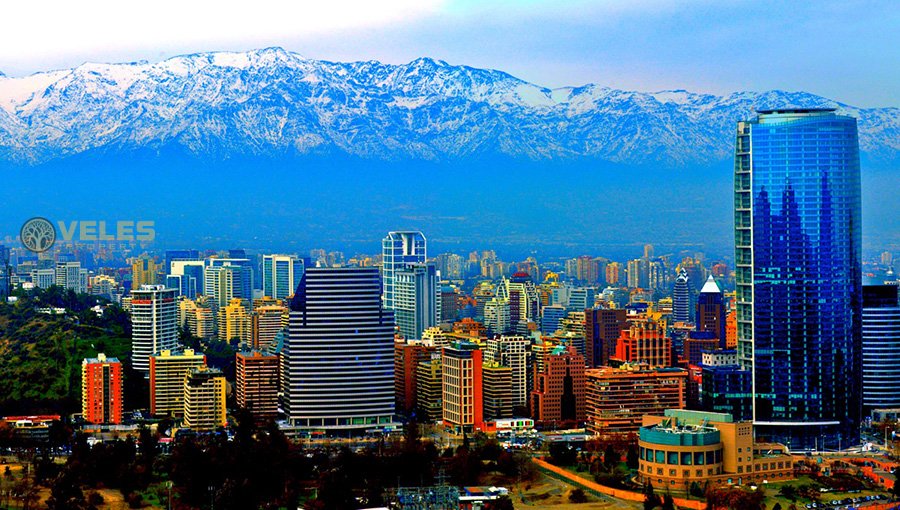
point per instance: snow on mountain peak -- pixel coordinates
(272, 101)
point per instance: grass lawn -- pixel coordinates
(773, 497)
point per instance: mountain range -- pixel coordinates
(274, 103)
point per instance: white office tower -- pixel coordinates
(417, 299)
(70, 275)
(154, 323)
(399, 249)
(227, 281)
(512, 352)
(338, 356)
(281, 275)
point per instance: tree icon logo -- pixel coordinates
(38, 234)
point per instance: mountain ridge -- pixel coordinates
(219, 105)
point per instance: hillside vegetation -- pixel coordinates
(41, 354)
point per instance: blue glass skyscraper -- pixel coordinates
(797, 250)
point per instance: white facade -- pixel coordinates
(154, 323)
(417, 299)
(398, 250)
(512, 352)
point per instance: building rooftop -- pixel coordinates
(780, 111)
(711, 286)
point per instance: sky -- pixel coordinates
(845, 50)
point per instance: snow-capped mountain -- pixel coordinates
(275, 103)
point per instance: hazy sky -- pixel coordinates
(847, 50)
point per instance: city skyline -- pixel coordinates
(450, 254)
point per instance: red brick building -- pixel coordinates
(645, 342)
(558, 393)
(256, 384)
(407, 357)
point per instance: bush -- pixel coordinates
(577, 496)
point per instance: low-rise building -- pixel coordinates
(681, 447)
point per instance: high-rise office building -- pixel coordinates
(43, 278)
(551, 315)
(615, 274)
(101, 390)
(408, 355)
(496, 316)
(398, 250)
(462, 385)
(143, 272)
(338, 356)
(496, 391)
(154, 323)
(225, 280)
(582, 298)
(256, 384)
(281, 274)
(185, 284)
(798, 274)
(189, 270)
(429, 407)
(880, 348)
(645, 341)
(602, 328)
(711, 311)
(235, 322)
(167, 373)
(618, 398)
(638, 272)
(512, 352)
(558, 393)
(681, 298)
(204, 399)
(417, 299)
(267, 321)
(179, 256)
(197, 317)
(524, 305)
(70, 275)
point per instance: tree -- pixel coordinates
(789, 492)
(610, 457)
(631, 458)
(577, 496)
(66, 493)
(562, 454)
(696, 491)
(668, 502)
(777, 506)
(651, 500)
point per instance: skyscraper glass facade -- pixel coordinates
(797, 250)
(880, 348)
(398, 250)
